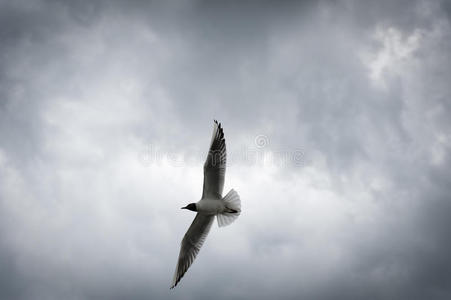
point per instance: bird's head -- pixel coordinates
(191, 206)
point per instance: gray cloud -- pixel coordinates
(360, 88)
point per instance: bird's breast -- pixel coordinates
(210, 207)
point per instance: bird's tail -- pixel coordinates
(233, 209)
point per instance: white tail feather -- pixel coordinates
(233, 203)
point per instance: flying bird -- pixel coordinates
(226, 209)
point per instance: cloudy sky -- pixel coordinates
(338, 129)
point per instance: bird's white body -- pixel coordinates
(209, 207)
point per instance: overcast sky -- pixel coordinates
(337, 122)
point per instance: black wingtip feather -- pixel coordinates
(217, 123)
(219, 126)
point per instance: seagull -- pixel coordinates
(226, 209)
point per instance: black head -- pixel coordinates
(191, 206)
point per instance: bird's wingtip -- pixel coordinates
(217, 123)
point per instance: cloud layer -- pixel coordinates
(336, 116)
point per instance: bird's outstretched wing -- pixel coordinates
(191, 244)
(215, 165)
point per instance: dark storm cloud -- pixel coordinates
(361, 88)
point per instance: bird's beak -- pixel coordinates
(183, 207)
